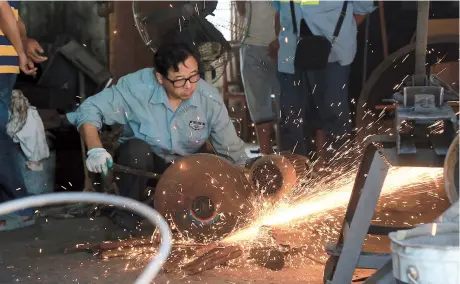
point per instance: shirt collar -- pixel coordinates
(159, 96)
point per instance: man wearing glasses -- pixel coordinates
(167, 113)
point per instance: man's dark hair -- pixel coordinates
(170, 55)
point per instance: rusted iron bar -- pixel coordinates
(211, 259)
(122, 169)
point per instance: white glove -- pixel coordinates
(99, 161)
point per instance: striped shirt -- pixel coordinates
(9, 60)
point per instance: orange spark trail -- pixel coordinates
(327, 199)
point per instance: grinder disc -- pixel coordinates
(204, 195)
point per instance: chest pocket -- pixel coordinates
(193, 133)
(150, 134)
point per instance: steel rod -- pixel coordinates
(421, 37)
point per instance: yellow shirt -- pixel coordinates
(9, 60)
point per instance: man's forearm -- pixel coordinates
(22, 31)
(9, 27)
(359, 18)
(90, 136)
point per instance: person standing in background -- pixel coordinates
(258, 70)
(17, 52)
(314, 102)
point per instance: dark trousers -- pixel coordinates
(137, 154)
(310, 101)
(12, 184)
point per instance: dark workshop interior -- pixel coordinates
(90, 45)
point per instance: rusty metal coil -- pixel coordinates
(204, 195)
(274, 176)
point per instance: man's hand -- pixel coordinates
(33, 51)
(26, 65)
(359, 19)
(99, 161)
(273, 48)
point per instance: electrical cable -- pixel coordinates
(153, 267)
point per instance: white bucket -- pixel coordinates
(427, 254)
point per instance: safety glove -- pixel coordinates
(99, 161)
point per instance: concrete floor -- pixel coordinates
(35, 255)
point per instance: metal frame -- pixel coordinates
(422, 106)
(380, 154)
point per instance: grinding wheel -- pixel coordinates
(274, 176)
(451, 174)
(204, 195)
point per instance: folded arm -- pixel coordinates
(22, 31)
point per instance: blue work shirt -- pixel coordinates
(139, 102)
(321, 17)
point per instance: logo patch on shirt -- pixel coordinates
(196, 125)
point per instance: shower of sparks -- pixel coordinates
(433, 229)
(284, 213)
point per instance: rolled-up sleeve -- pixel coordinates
(224, 138)
(107, 107)
(363, 7)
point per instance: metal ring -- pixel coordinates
(152, 268)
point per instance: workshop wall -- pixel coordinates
(46, 20)
(127, 50)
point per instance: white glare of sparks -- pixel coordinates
(433, 229)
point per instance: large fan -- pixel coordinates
(212, 28)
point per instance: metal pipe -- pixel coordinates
(145, 211)
(383, 29)
(421, 37)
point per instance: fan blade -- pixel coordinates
(205, 8)
(213, 33)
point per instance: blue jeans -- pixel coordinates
(310, 101)
(12, 184)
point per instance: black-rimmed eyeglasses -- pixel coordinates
(181, 82)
